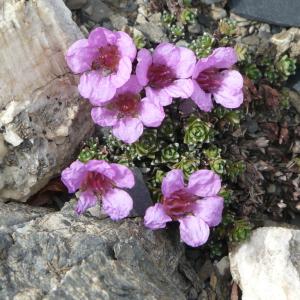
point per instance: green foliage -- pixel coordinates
(177, 32)
(227, 27)
(241, 231)
(188, 164)
(188, 16)
(91, 150)
(286, 66)
(139, 41)
(285, 98)
(253, 72)
(241, 51)
(202, 46)
(167, 130)
(216, 163)
(147, 145)
(234, 169)
(169, 153)
(167, 18)
(197, 132)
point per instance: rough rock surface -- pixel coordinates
(267, 266)
(61, 256)
(269, 11)
(42, 117)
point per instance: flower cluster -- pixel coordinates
(127, 98)
(129, 90)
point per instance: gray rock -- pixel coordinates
(208, 2)
(195, 28)
(42, 117)
(284, 39)
(294, 81)
(267, 265)
(76, 4)
(153, 32)
(295, 100)
(62, 256)
(14, 213)
(218, 13)
(97, 11)
(251, 40)
(140, 195)
(285, 13)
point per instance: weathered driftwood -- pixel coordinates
(42, 117)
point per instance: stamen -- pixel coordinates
(179, 204)
(96, 182)
(209, 80)
(108, 59)
(160, 76)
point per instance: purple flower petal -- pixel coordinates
(160, 97)
(96, 88)
(230, 93)
(123, 74)
(193, 231)
(210, 210)
(172, 182)
(182, 88)
(123, 177)
(73, 176)
(221, 58)
(155, 217)
(204, 183)
(117, 204)
(128, 130)
(101, 37)
(202, 99)
(113, 171)
(103, 116)
(100, 166)
(166, 54)
(126, 45)
(86, 200)
(131, 86)
(151, 114)
(144, 59)
(80, 56)
(186, 64)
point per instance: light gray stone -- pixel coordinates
(218, 13)
(153, 32)
(97, 11)
(267, 265)
(295, 100)
(283, 40)
(61, 256)
(42, 116)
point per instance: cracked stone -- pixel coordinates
(62, 256)
(41, 113)
(270, 258)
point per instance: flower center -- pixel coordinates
(179, 204)
(126, 104)
(96, 182)
(160, 76)
(107, 59)
(209, 80)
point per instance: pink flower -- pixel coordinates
(196, 206)
(98, 180)
(165, 72)
(127, 113)
(209, 80)
(105, 59)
